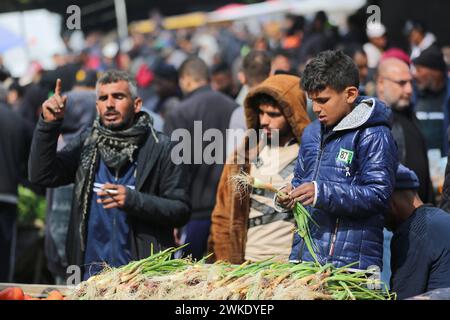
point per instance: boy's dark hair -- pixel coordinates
(332, 69)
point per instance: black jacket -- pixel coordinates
(13, 153)
(158, 204)
(412, 150)
(213, 109)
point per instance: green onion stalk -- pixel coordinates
(243, 181)
(155, 264)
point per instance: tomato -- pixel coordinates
(55, 295)
(12, 294)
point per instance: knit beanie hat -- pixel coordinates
(406, 179)
(432, 58)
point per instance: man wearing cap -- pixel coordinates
(433, 98)
(420, 247)
(167, 88)
(418, 37)
(376, 33)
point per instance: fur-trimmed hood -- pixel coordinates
(285, 89)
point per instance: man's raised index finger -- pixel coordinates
(58, 87)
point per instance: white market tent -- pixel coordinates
(275, 9)
(300, 7)
(39, 30)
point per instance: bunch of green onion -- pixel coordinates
(243, 181)
(236, 281)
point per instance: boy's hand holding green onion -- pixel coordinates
(284, 199)
(303, 194)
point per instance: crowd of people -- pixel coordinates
(353, 119)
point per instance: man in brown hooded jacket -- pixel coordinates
(248, 226)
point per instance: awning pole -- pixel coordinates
(121, 17)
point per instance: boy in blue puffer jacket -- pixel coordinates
(345, 171)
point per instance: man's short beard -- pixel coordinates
(401, 107)
(117, 126)
(428, 84)
(281, 137)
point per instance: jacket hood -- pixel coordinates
(285, 89)
(369, 112)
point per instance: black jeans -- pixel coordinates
(8, 216)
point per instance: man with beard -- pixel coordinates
(432, 97)
(394, 87)
(129, 195)
(251, 226)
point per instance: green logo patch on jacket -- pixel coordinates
(345, 156)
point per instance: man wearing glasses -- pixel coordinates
(394, 87)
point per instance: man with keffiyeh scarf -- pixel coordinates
(128, 195)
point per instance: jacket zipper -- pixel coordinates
(333, 238)
(319, 159)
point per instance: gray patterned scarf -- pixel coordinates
(116, 148)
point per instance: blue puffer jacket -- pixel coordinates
(353, 166)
